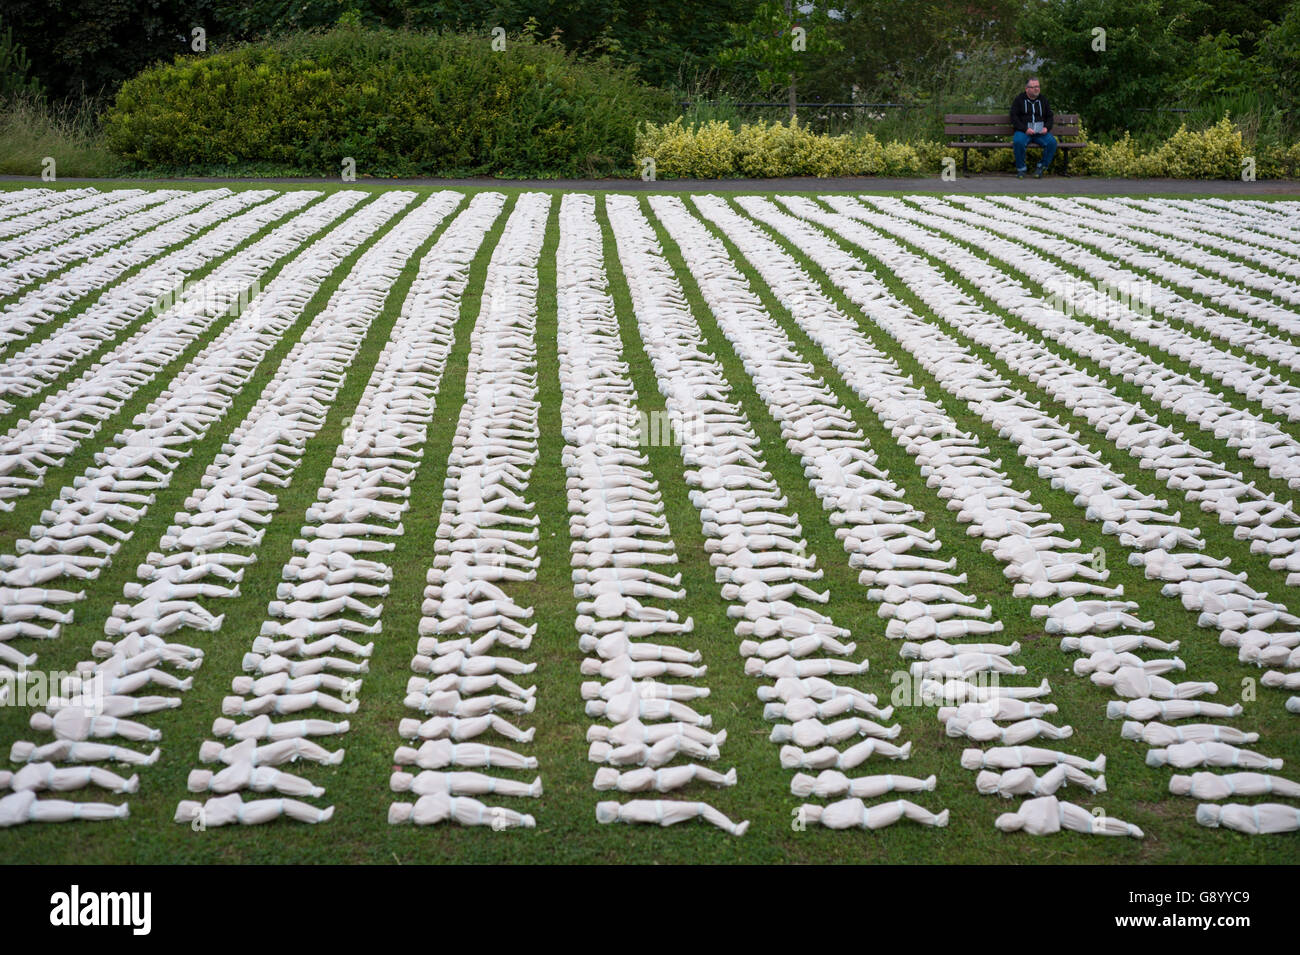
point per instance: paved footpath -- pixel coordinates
(977, 185)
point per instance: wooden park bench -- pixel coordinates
(968, 131)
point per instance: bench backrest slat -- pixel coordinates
(999, 124)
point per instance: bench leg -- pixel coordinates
(965, 154)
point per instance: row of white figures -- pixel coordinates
(109, 294)
(1252, 512)
(756, 542)
(310, 656)
(166, 600)
(1269, 525)
(113, 207)
(93, 517)
(1135, 681)
(1042, 366)
(1232, 227)
(20, 202)
(898, 331)
(622, 555)
(1187, 745)
(154, 294)
(961, 468)
(96, 704)
(116, 300)
(225, 518)
(71, 204)
(952, 461)
(33, 255)
(1107, 496)
(486, 545)
(1266, 525)
(1279, 243)
(1139, 306)
(1218, 263)
(969, 486)
(66, 419)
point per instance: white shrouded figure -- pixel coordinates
(77, 751)
(1133, 683)
(661, 753)
(76, 723)
(1108, 661)
(1047, 814)
(1001, 708)
(812, 732)
(926, 628)
(1222, 785)
(450, 727)
(618, 667)
(23, 806)
(1161, 734)
(629, 706)
(854, 814)
(260, 779)
(440, 753)
(1014, 757)
(634, 731)
(1025, 782)
(648, 689)
(985, 730)
(1148, 709)
(666, 812)
(666, 779)
(964, 665)
(284, 683)
(431, 782)
(1264, 818)
(1122, 643)
(952, 691)
(442, 807)
(1281, 681)
(232, 810)
(788, 666)
(46, 777)
(263, 727)
(798, 647)
(828, 757)
(934, 649)
(614, 645)
(816, 688)
(832, 782)
(1082, 622)
(805, 708)
(271, 754)
(1187, 755)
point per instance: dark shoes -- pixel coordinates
(1020, 174)
(1038, 173)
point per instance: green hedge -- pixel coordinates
(399, 103)
(714, 150)
(717, 150)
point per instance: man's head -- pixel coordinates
(1032, 87)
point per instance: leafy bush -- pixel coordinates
(1278, 162)
(762, 150)
(399, 103)
(1213, 153)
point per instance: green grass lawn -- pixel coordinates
(566, 827)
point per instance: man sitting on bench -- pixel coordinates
(1031, 118)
